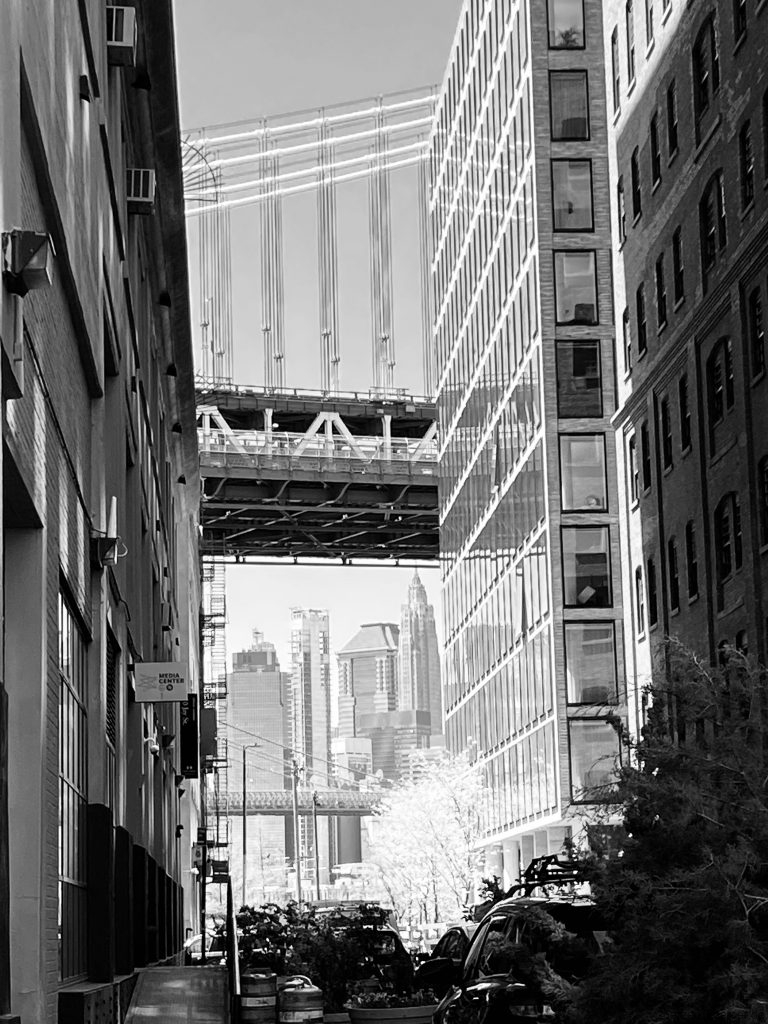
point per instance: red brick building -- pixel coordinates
(99, 499)
(688, 91)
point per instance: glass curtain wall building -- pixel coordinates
(524, 338)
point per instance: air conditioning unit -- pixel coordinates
(121, 36)
(140, 189)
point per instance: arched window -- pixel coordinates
(728, 548)
(706, 70)
(712, 223)
(720, 387)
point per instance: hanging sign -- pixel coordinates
(188, 764)
(160, 680)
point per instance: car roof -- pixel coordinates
(572, 911)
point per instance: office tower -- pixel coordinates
(310, 715)
(419, 682)
(523, 337)
(690, 146)
(367, 674)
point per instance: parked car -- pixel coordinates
(215, 949)
(501, 978)
(452, 945)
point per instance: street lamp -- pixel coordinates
(247, 746)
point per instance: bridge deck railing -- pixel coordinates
(371, 395)
(257, 444)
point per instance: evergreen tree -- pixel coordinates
(686, 896)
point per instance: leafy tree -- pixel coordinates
(425, 839)
(686, 896)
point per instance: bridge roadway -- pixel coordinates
(335, 803)
(304, 474)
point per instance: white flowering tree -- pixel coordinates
(425, 840)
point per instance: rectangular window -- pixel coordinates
(645, 454)
(627, 338)
(582, 473)
(569, 105)
(691, 558)
(630, 25)
(653, 604)
(661, 293)
(678, 266)
(648, 22)
(642, 330)
(579, 380)
(685, 413)
(615, 69)
(739, 19)
(637, 198)
(674, 575)
(575, 287)
(590, 662)
(73, 795)
(672, 117)
(655, 150)
(634, 470)
(756, 332)
(621, 211)
(572, 195)
(594, 746)
(746, 165)
(666, 433)
(586, 566)
(566, 24)
(639, 602)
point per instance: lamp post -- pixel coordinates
(247, 746)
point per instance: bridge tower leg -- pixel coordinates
(327, 264)
(381, 263)
(271, 250)
(425, 268)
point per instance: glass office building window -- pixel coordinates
(572, 195)
(594, 757)
(579, 380)
(569, 105)
(566, 24)
(590, 662)
(582, 472)
(586, 566)
(73, 796)
(575, 288)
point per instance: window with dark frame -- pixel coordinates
(630, 27)
(653, 604)
(648, 22)
(634, 469)
(569, 106)
(712, 224)
(674, 575)
(627, 337)
(661, 292)
(706, 72)
(575, 287)
(756, 332)
(762, 483)
(572, 195)
(645, 454)
(653, 131)
(621, 210)
(586, 566)
(642, 329)
(691, 558)
(590, 662)
(746, 165)
(566, 24)
(672, 117)
(666, 434)
(634, 174)
(739, 19)
(720, 382)
(579, 379)
(728, 541)
(685, 413)
(639, 601)
(678, 265)
(615, 68)
(582, 473)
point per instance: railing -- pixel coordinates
(276, 445)
(233, 958)
(371, 395)
(281, 800)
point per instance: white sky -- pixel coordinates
(241, 59)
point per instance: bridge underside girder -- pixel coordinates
(341, 516)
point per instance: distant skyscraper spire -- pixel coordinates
(419, 683)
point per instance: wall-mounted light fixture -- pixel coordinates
(27, 260)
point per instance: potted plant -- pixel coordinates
(386, 1006)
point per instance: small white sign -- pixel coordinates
(160, 680)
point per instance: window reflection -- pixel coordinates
(590, 659)
(586, 566)
(566, 24)
(579, 385)
(594, 757)
(572, 195)
(575, 288)
(582, 472)
(569, 106)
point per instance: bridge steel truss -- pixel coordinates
(336, 803)
(293, 474)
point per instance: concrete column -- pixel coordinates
(493, 861)
(511, 862)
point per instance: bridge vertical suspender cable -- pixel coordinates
(381, 263)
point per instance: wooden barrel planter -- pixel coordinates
(336, 1018)
(258, 998)
(392, 1014)
(300, 1002)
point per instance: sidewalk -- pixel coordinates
(180, 995)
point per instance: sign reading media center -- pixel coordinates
(160, 680)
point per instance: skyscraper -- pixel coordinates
(368, 680)
(419, 657)
(524, 341)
